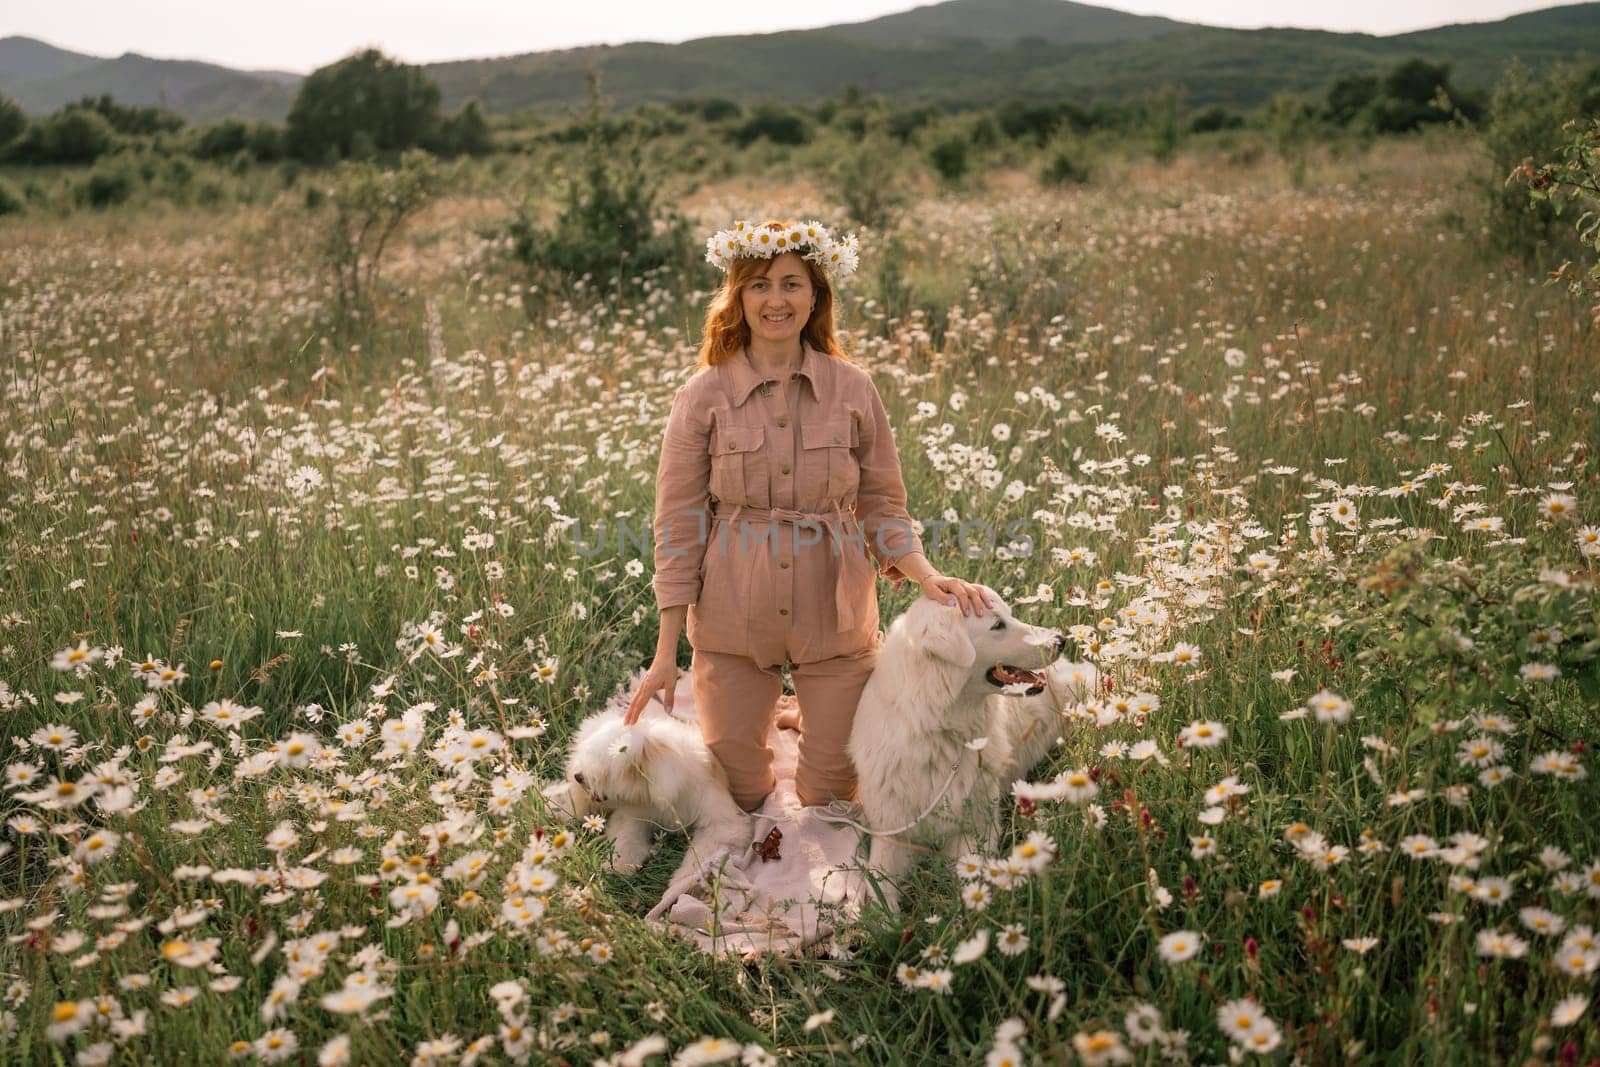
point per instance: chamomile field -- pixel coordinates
(295, 620)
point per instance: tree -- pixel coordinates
(71, 135)
(13, 120)
(130, 119)
(368, 206)
(466, 133)
(1406, 99)
(393, 104)
(1350, 96)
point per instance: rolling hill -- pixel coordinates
(956, 52)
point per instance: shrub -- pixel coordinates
(609, 225)
(361, 105)
(10, 202)
(711, 109)
(1291, 123)
(1349, 97)
(949, 157)
(1159, 114)
(262, 141)
(106, 188)
(866, 183)
(466, 133)
(1215, 118)
(130, 120)
(904, 124)
(1019, 120)
(13, 120)
(775, 123)
(71, 135)
(1525, 119)
(1413, 94)
(369, 205)
(1573, 180)
(1064, 167)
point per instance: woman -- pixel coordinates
(778, 475)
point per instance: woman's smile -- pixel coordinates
(778, 303)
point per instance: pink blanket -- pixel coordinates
(796, 891)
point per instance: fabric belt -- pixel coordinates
(832, 524)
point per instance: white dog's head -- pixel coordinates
(644, 766)
(1010, 652)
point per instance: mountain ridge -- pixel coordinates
(955, 52)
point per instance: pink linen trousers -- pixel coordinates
(770, 496)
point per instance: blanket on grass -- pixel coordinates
(796, 882)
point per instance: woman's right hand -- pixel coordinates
(662, 677)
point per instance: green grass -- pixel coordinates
(165, 390)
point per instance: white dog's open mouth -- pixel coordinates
(1003, 675)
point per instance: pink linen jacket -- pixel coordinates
(766, 510)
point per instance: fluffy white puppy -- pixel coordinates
(925, 776)
(655, 773)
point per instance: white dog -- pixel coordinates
(655, 773)
(925, 776)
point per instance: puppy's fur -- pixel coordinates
(928, 696)
(656, 773)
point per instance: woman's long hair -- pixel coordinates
(726, 331)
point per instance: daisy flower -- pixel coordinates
(1179, 946)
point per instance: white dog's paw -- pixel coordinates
(630, 838)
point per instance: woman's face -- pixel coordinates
(777, 304)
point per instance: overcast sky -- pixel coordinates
(301, 35)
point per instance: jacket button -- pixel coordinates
(838, 440)
(794, 377)
(783, 565)
(783, 611)
(782, 423)
(783, 470)
(730, 446)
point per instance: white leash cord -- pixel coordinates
(835, 813)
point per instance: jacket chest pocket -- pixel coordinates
(830, 463)
(738, 465)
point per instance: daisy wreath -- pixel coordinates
(837, 257)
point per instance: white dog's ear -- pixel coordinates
(940, 632)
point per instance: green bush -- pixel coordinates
(1349, 97)
(1573, 181)
(775, 123)
(129, 120)
(71, 135)
(1020, 120)
(368, 206)
(362, 105)
(949, 157)
(13, 120)
(903, 124)
(106, 188)
(1064, 167)
(1213, 119)
(1525, 119)
(466, 133)
(10, 202)
(262, 141)
(609, 225)
(866, 182)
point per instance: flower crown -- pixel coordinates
(838, 258)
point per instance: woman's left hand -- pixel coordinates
(953, 592)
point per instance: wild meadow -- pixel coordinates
(294, 621)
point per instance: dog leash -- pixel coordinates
(835, 814)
